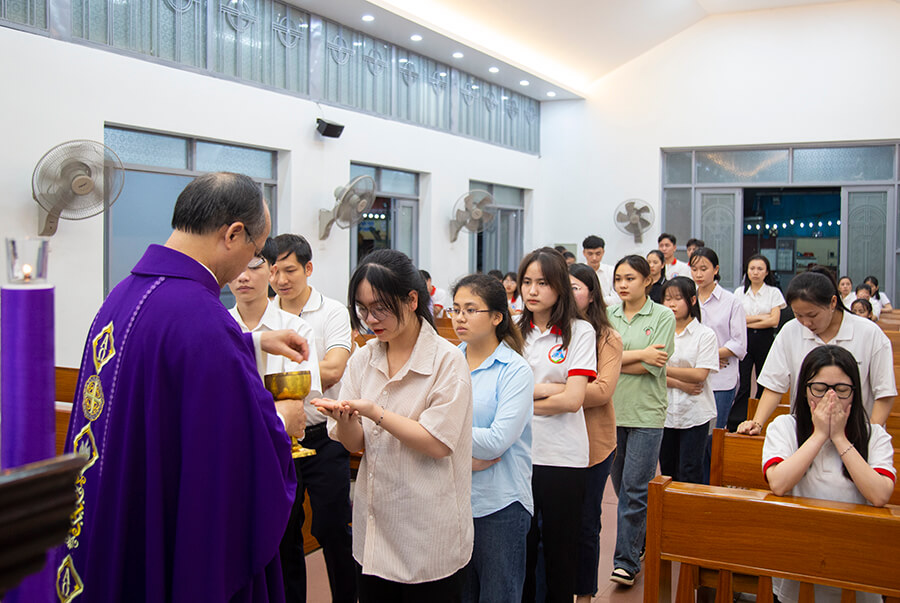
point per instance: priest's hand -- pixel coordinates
(294, 417)
(285, 343)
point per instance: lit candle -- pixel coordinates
(26, 272)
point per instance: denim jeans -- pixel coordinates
(496, 572)
(724, 400)
(682, 454)
(589, 538)
(637, 451)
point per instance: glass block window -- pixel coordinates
(678, 213)
(357, 70)
(25, 12)
(144, 148)
(678, 168)
(169, 29)
(423, 94)
(742, 166)
(215, 157)
(848, 164)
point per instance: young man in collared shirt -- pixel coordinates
(325, 476)
(674, 266)
(593, 248)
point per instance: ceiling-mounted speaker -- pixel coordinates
(329, 129)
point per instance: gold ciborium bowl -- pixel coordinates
(294, 385)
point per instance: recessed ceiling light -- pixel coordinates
(457, 55)
(494, 70)
(442, 74)
(551, 94)
(357, 43)
(415, 38)
(403, 61)
(474, 87)
(524, 83)
(368, 18)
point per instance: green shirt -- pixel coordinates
(640, 400)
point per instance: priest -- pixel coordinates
(189, 480)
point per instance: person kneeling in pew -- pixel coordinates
(842, 456)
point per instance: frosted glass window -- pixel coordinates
(143, 148)
(423, 95)
(25, 12)
(357, 70)
(844, 164)
(480, 109)
(866, 234)
(395, 181)
(361, 170)
(678, 168)
(507, 195)
(213, 157)
(742, 166)
(407, 225)
(717, 226)
(678, 214)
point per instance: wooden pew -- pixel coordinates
(855, 547)
(736, 461)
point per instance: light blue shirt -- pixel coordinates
(503, 396)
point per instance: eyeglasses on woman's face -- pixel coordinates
(377, 312)
(819, 389)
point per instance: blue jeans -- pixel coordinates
(724, 400)
(496, 572)
(683, 452)
(637, 450)
(589, 537)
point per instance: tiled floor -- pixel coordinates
(317, 581)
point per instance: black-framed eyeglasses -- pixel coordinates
(379, 313)
(467, 312)
(819, 389)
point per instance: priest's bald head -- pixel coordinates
(220, 220)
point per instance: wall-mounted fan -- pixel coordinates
(470, 212)
(634, 217)
(75, 180)
(350, 201)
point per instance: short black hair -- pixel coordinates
(666, 235)
(695, 243)
(863, 287)
(560, 248)
(593, 242)
(709, 254)
(569, 254)
(291, 243)
(496, 274)
(269, 251)
(219, 199)
(426, 276)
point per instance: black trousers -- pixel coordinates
(558, 503)
(326, 476)
(373, 589)
(759, 342)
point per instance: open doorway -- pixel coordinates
(794, 228)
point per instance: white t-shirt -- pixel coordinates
(695, 347)
(605, 274)
(879, 304)
(762, 301)
(824, 480)
(561, 440)
(330, 323)
(859, 336)
(677, 268)
(851, 297)
(275, 319)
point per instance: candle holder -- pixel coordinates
(27, 260)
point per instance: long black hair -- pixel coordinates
(556, 273)
(686, 290)
(492, 293)
(874, 281)
(857, 429)
(595, 313)
(769, 279)
(817, 286)
(393, 277)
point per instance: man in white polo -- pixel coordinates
(325, 476)
(594, 248)
(674, 266)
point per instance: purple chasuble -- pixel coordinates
(190, 480)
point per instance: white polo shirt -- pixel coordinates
(824, 480)
(330, 322)
(677, 268)
(275, 319)
(762, 301)
(561, 440)
(878, 305)
(605, 274)
(695, 347)
(859, 336)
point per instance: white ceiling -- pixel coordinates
(562, 46)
